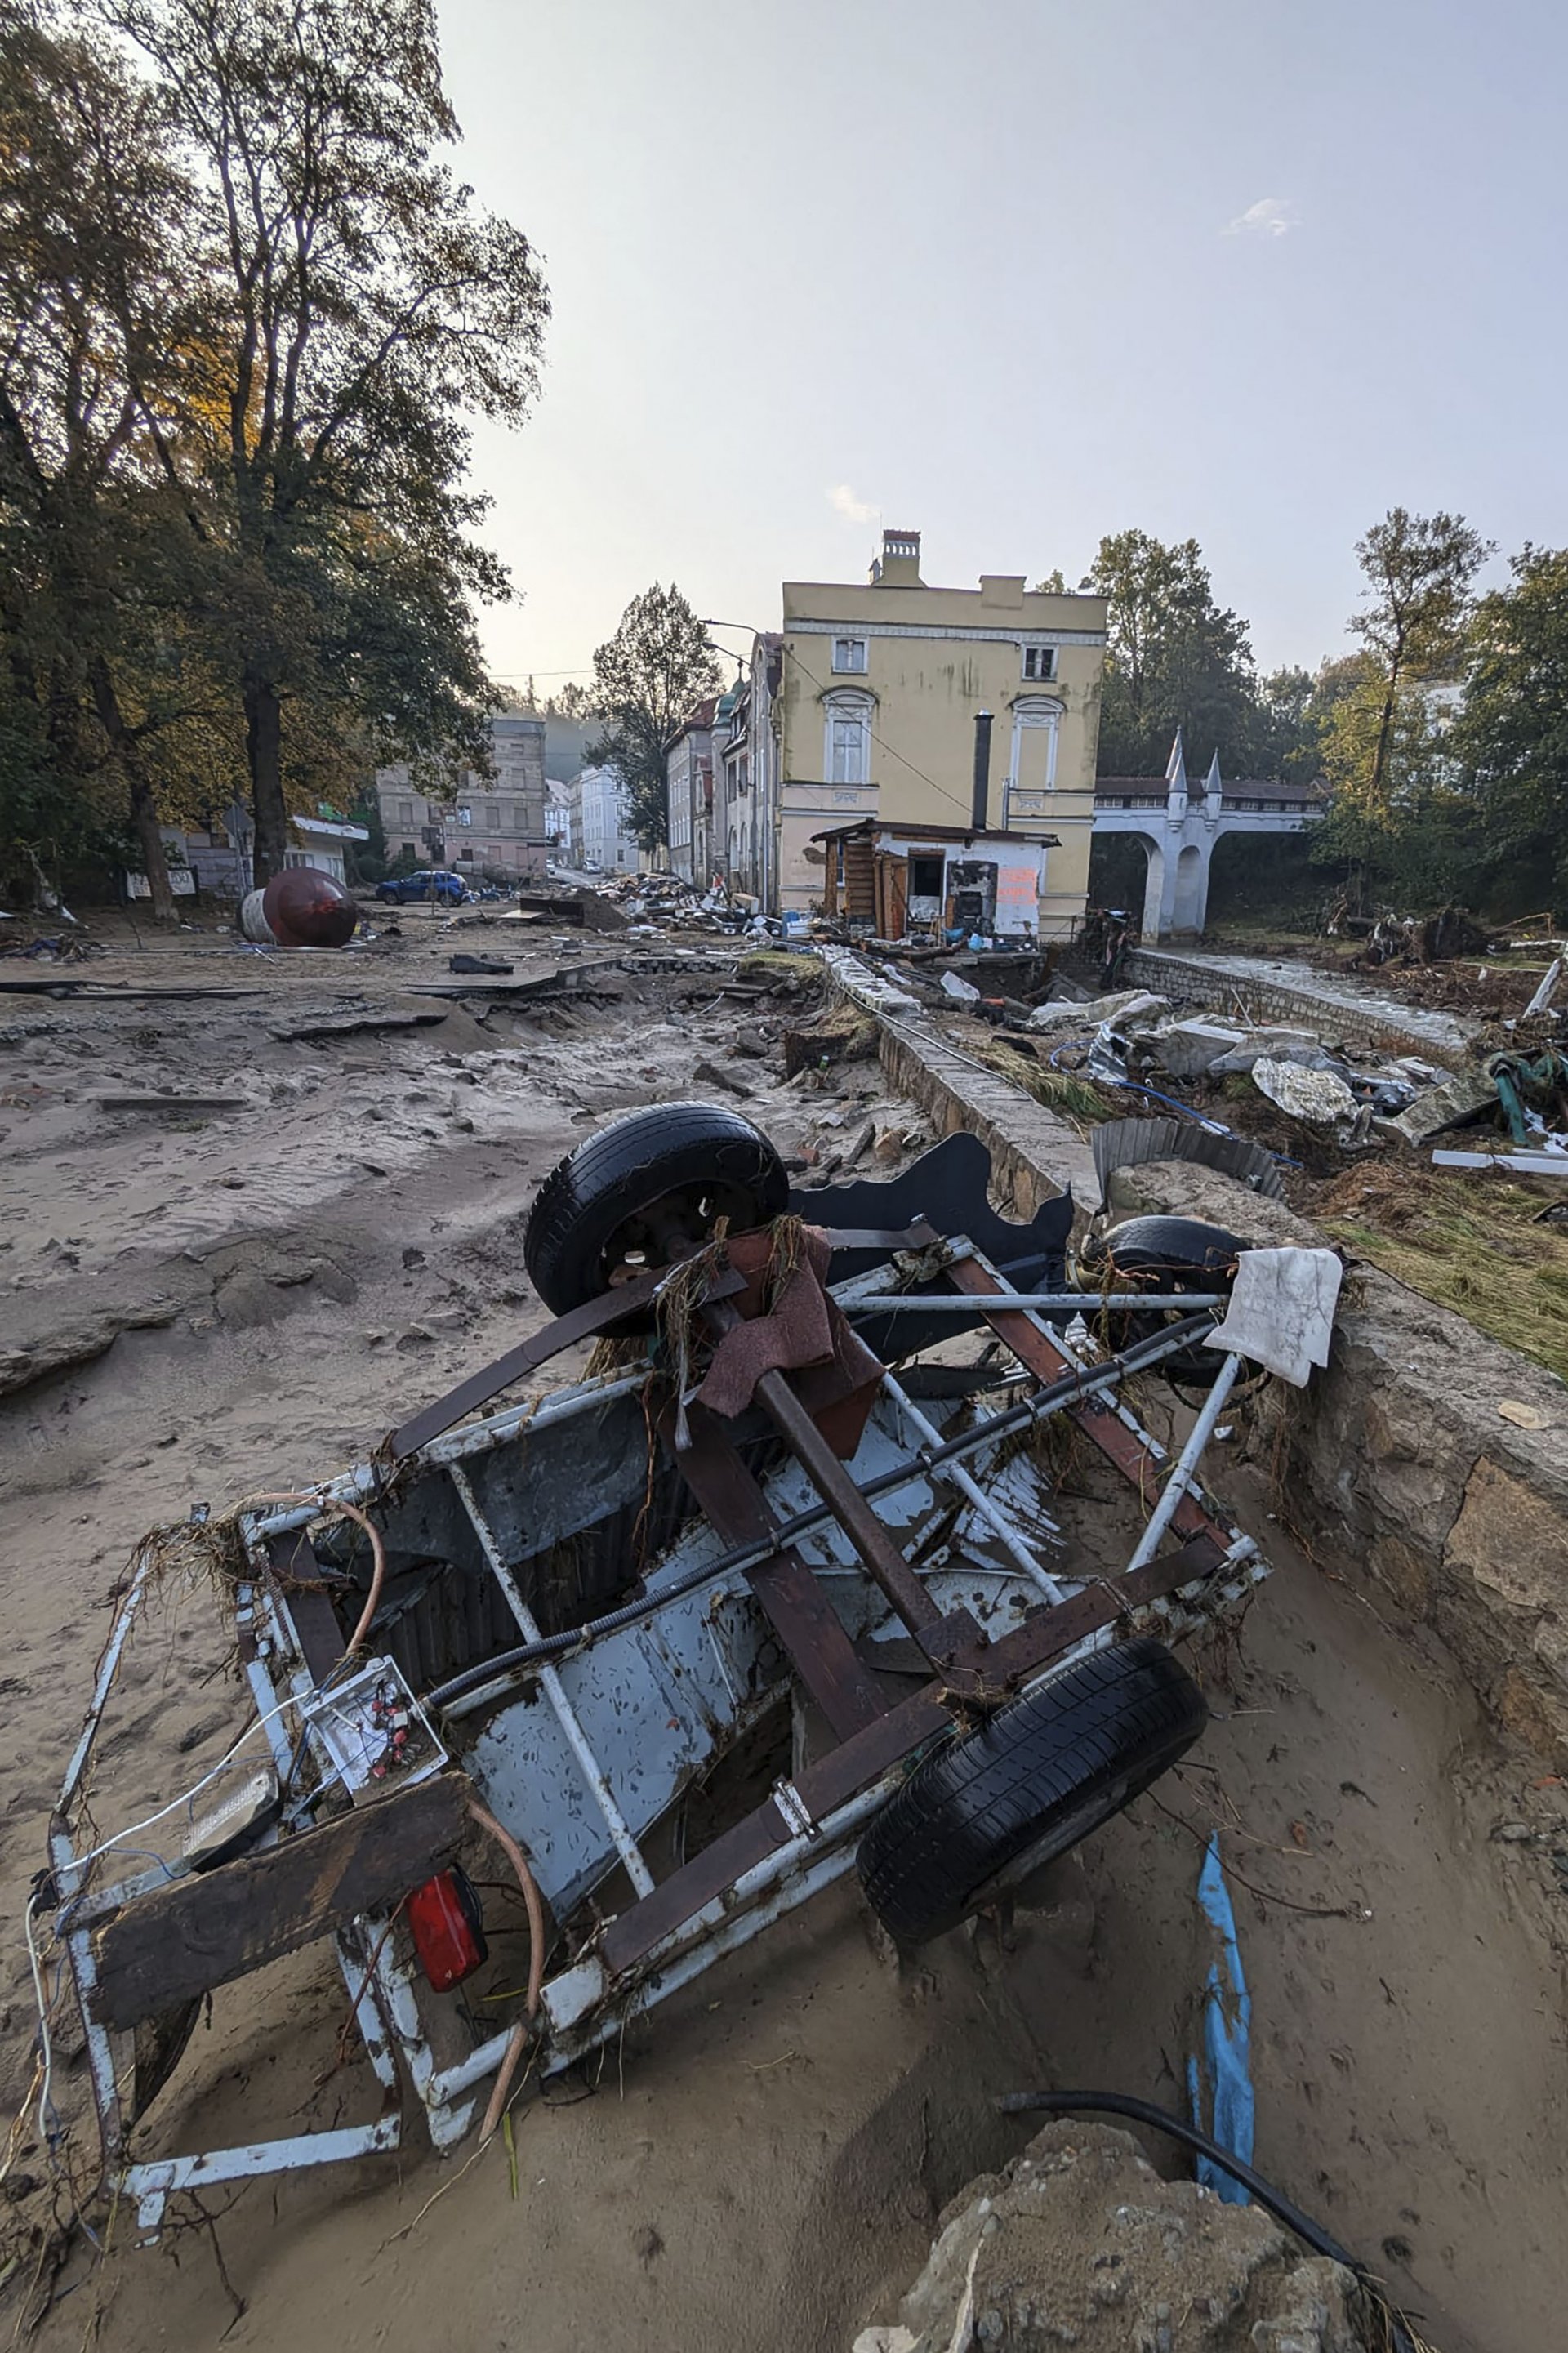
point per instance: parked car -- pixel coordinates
(430, 882)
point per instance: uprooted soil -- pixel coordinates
(204, 1306)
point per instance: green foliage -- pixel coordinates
(646, 680)
(1174, 659)
(360, 308)
(244, 312)
(1401, 824)
(1513, 734)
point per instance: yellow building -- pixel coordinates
(875, 711)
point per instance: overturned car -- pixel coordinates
(784, 1583)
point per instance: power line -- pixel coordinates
(958, 802)
(956, 799)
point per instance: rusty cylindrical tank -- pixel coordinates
(308, 909)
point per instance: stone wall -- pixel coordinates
(1440, 1510)
(1199, 982)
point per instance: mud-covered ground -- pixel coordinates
(204, 1305)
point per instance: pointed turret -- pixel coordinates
(1214, 792)
(1176, 779)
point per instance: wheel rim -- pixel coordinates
(672, 1226)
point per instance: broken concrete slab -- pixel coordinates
(1455, 1103)
(1187, 1049)
(1127, 1005)
(1318, 1097)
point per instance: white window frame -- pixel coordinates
(849, 657)
(1033, 711)
(1044, 658)
(843, 711)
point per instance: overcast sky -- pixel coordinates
(1016, 273)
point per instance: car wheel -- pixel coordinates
(1168, 1254)
(989, 1807)
(646, 1190)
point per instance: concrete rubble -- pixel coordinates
(1080, 2243)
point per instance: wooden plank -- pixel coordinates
(183, 1940)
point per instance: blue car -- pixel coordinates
(430, 882)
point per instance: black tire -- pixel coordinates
(1159, 1253)
(643, 1187)
(989, 1807)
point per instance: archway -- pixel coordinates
(1264, 879)
(1127, 869)
(1190, 895)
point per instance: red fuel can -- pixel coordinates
(445, 1919)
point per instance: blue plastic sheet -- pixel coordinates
(1220, 2077)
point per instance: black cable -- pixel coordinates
(1144, 2112)
(931, 1458)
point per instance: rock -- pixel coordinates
(1318, 1097)
(1078, 2242)
(1452, 1104)
(954, 985)
(753, 1040)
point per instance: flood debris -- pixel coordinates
(517, 1632)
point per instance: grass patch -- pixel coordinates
(776, 963)
(1467, 1242)
(1076, 1099)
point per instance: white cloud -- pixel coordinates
(843, 502)
(1270, 217)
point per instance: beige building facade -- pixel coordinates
(874, 717)
(490, 821)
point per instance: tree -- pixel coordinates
(1418, 571)
(360, 306)
(1174, 659)
(1398, 821)
(646, 678)
(96, 593)
(1513, 734)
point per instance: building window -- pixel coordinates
(407, 849)
(848, 749)
(404, 812)
(850, 655)
(1039, 661)
(492, 816)
(1032, 768)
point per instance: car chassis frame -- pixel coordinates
(781, 1583)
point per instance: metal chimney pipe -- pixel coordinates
(982, 769)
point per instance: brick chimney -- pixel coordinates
(899, 565)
